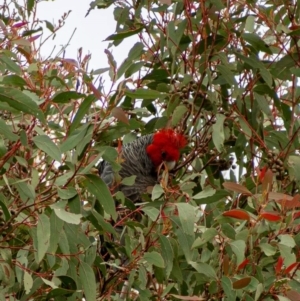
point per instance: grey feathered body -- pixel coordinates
(135, 161)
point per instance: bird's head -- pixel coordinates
(165, 147)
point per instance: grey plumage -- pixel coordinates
(135, 161)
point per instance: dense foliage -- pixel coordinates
(223, 226)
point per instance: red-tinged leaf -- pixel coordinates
(70, 62)
(290, 204)
(261, 173)
(237, 213)
(163, 215)
(188, 298)
(119, 113)
(293, 295)
(242, 264)
(296, 215)
(279, 265)
(168, 2)
(237, 188)
(95, 91)
(226, 264)
(20, 24)
(267, 181)
(271, 216)
(241, 283)
(276, 196)
(291, 267)
(31, 39)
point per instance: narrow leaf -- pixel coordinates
(186, 213)
(218, 135)
(279, 265)
(7, 132)
(238, 247)
(237, 188)
(21, 102)
(119, 113)
(167, 254)
(68, 217)
(87, 277)
(43, 236)
(237, 213)
(154, 258)
(98, 188)
(241, 283)
(83, 109)
(66, 97)
(270, 216)
(123, 35)
(187, 298)
(144, 94)
(45, 144)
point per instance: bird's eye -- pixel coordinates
(163, 155)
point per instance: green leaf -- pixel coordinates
(228, 76)
(30, 6)
(185, 242)
(287, 253)
(10, 64)
(128, 181)
(28, 282)
(6, 131)
(13, 80)
(228, 290)
(49, 25)
(5, 210)
(205, 269)
(144, 94)
(268, 249)
(82, 111)
(256, 41)
(56, 227)
(99, 223)
(207, 236)
(167, 254)
(74, 139)
(293, 164)
(25, 190)
(45, 144)
(67, 97)
(135, 53)
(87, 277)
(178, 114)
(68, 217)
(245, 127)
(151, 212)
(98, 188)
(238, 247)
(217, 196)
(157, 192)
(67, 193)
(154, 258)
(218, 135)
(21, 102)
(124, 34)
(287, 240)
(207, 192)
(43, 236)
(266, 75)
(186, 213)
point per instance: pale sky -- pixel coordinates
(90, 33)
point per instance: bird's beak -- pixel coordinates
(170, 164)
